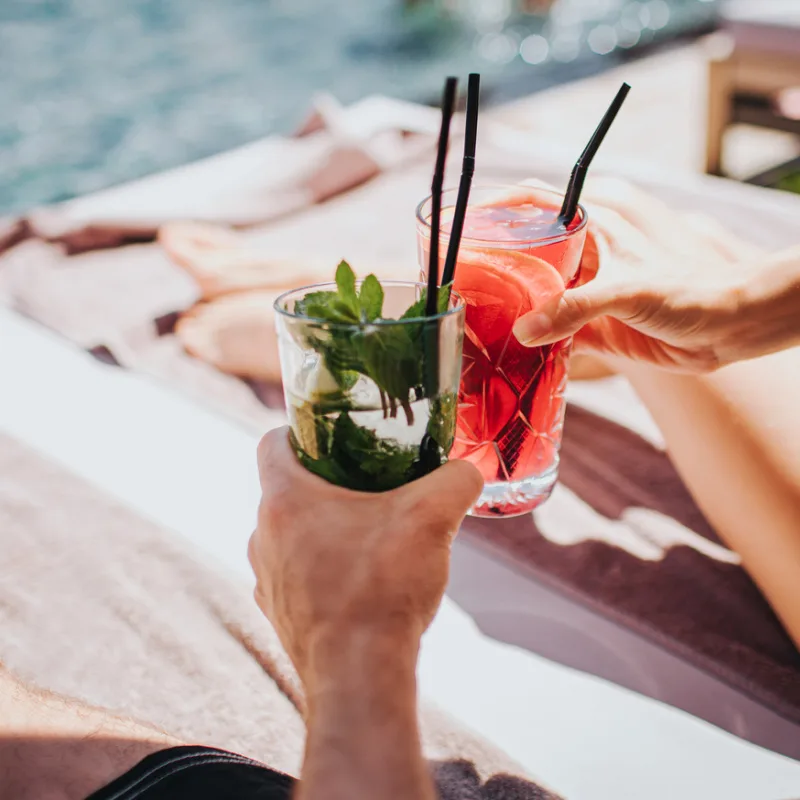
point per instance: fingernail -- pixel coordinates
(530, 328)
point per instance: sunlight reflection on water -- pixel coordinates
(95, 92)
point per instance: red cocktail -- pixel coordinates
(514, 258)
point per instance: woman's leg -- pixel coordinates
(735, 438)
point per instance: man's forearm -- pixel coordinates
(363, 737)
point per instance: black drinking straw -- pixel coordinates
(467, 171)
(448, 102)
(581, 168)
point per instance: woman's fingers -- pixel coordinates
(576, 308)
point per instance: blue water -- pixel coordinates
(96, 92)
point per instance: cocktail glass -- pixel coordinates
(372, 405)
(514, 258)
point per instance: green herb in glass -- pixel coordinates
(359, 369)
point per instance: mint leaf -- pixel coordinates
(327, 307)
(417, 310)
(315, 300)
(443, 300)
(344, 311)
(342, 306)
(389, 467)
(391, 358)
(371, 298)
(325, 468)
(334, 311)
(325, 403)
(346, 284)
(395, 357)
(442, 422)
(352, 456)
(323, 465)
(371, 463)
(340, 356)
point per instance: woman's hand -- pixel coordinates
(670, 289)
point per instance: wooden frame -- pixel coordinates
(743, 71)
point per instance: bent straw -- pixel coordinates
(448, 102)
(467, 171)
(581, 168)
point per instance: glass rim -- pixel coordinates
(509, 245)
(280, 301)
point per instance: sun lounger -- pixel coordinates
(145, 462)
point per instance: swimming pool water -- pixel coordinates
(95, 92)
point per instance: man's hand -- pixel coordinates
(334, 565)
(670, 289)
(351, 581)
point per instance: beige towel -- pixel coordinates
(340, 148)
(98, 603)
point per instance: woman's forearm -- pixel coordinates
(735, 438)
(363, 736)
(767, 315)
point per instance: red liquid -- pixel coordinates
(511, 399)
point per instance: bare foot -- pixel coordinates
(236, 334)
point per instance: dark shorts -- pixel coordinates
(198, 773)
